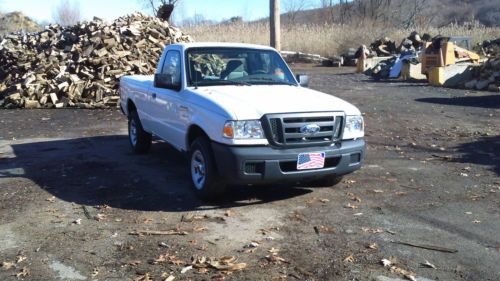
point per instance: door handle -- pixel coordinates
(153, 95)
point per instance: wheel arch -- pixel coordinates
(130, 106)
(194, 132)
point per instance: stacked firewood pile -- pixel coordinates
(80, 66)
(487, 74)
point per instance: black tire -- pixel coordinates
(140, 140)
(204, 176)
(328, 181)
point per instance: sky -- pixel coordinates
(42, 10)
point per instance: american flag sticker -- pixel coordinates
(311, 161)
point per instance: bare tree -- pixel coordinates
(328, 7)
(293, 8)
(67, 13)
(163, 9)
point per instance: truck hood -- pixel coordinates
(252, 102)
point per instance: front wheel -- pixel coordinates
(206, 181)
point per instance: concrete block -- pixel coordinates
(451, 75)
(369, 63)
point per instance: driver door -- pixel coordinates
(165, 102)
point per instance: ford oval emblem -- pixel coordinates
(310, 129)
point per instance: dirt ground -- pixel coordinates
(72, 196)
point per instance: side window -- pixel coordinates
(172, 66)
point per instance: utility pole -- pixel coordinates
(274, 20)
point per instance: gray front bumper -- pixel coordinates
(265, 164)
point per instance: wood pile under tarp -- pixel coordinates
(80, 65)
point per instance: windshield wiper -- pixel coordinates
(222, 82)
(279, 82)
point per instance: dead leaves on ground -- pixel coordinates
(195, 218)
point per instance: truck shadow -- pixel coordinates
(485, 151)
(103, 171)
(489, 101)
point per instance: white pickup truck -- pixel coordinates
(242, 117)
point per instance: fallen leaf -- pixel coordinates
(476, 221)
(276, 259)
(428, 264)
(7, 265)
(200, 229)
(170, 278)
(378, 191)
(351, 206)
(372, 230)
(323, 229)
(186, 269)
(51, 199)
(145, 277)
(229, 213)
(175, 261)
(23, 273)
(274, 250)
(20, 258)
(349, 259)
(324, 200)
(404, 272)
(358, 214)
(373, 246)
(100, 217)
(77, 221)
(386, 262)
(410, 277)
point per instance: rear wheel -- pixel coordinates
(140, 140)
(206, 181)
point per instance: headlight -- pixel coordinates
(354, 127)
(250, 129)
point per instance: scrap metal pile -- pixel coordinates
(80, 65)
(396, 55)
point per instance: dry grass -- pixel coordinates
(328, 39)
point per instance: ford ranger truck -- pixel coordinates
(242, 118)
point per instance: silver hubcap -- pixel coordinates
(198, 169)
(133, 132)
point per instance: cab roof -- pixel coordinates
(184, 46)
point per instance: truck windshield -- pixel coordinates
(236, 66)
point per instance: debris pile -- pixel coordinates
(80, 65)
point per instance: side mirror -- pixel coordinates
(166, 81)
(303, 80)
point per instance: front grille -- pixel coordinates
(285, 129)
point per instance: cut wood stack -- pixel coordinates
(80, 66)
